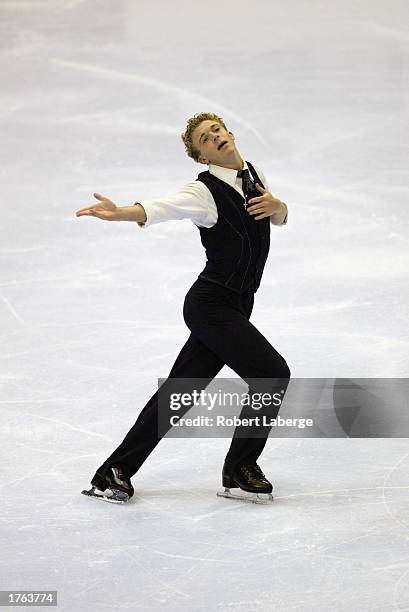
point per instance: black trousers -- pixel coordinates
(221, 333)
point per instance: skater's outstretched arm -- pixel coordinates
(191, 202)
(107, 210)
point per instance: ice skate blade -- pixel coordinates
(113, 496)
(255, 498)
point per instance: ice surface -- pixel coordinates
(94, 97)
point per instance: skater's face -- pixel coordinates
(215, 144)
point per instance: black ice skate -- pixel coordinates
(250, 480)
(111, 485)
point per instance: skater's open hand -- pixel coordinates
(265, 205)
(106, 210)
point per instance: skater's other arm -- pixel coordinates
(191, 202)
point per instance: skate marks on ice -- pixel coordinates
(395, 497)
(165, 88)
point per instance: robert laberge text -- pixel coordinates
(235, 421)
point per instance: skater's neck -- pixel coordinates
(236, 164)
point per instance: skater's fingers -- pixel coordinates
(254, 200)
(84, 211)
(89, 212)
(100, 197)
(86, 207)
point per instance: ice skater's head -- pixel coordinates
(208, 141)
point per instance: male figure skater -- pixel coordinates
(233, 209)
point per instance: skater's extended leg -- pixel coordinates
(195, 360)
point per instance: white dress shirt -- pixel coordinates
(195, 201)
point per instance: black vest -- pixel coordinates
(237, 245)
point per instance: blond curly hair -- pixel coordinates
(192, 123)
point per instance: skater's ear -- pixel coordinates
(203, 160)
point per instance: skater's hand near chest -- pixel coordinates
(266, 205)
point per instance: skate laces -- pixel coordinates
(251, 469)
(247, 469)
(259, 471)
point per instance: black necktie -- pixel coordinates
(249, 188)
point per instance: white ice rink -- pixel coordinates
(94, 96)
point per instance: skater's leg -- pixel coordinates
(241, 346)
(194, 361)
